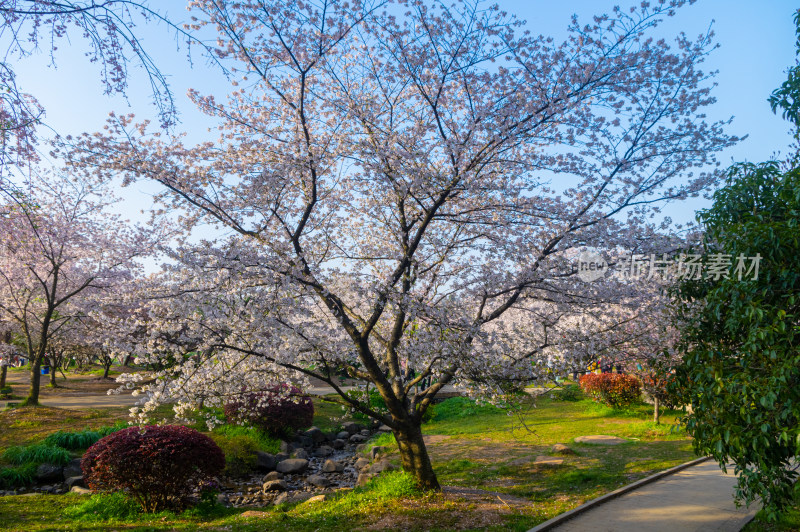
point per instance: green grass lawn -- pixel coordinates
(472, 447)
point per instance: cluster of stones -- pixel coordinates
(312, 466)
(55, 479)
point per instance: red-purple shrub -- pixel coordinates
(612, 389)
(159, 467)
(279, 410)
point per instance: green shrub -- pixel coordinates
(570, 392)
(15, 477)
(37, 454)
(263, 441)
(612, 389)
(461, 407)
(102, 507)
(240, 453)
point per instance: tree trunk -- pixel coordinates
(414, 455)
(3, 370)
(53, 383)
(107, 366)
(33, 394)
(656, 411)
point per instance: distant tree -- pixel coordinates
(740, 369)
(59, 248)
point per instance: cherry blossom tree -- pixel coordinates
(405, 186)
(60, 249)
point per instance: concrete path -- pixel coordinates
(698, 498)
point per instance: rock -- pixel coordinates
(292, 497)
(316, 435)
(318, 498)
(75, 481)
(385, 428)
(254, 513)
(361, 447)
(357, 438)
(300, 453)
(381, 466)
(600, 439)
(73, 468)
(49, 473)
(318, 481)
(274, 475)
(364, 477)
(323, 451)
(223, 500)
(361, 463)
(80, 490)
(352, 427)
(265, 461)
(275, 485)
(306, 442)
(343, 435)
(292, 465)
(339, 444)
(562, 449)
(365, 433)
(287, 447)
(332, 466)
(377, 450)
(280, 457)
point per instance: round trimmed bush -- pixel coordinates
(158, 467)
(279, 410)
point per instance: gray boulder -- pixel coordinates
(82, 491)
(274, 475)
(357, 438)
(381, 466)
(316, 435)
(49, 473)
(275, 485)
(361, 463)
(73, 468)
(265, 461)
(318, 481)
(343, 435)
(292, 497)
(75, 481)
(339, 444)
(332, 466)
(300, 453)
(352, 427)
(292, 465)
(324, 451)
(281, 456)
(377, 451)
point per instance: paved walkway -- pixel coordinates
(698, 498)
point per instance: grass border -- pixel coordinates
(566, 516)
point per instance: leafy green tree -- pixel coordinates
(741, 333)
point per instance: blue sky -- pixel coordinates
(756, 46)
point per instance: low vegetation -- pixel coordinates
(498, 465)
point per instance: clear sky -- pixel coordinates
(756, 46)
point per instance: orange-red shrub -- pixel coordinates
(612, 389)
